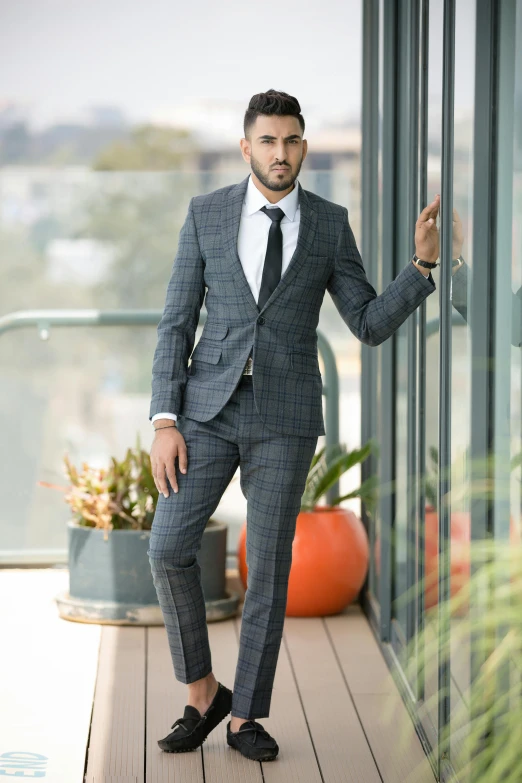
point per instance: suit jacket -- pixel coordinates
(287, 383)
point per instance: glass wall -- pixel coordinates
(431, 167)
(104, 241)
(375, 425)
(452, 126)
(513, 234)
(461, 355)
(96, 172)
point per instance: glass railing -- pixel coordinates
(88, 249)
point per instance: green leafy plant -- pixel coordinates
(483, 622)
(120, 497)
(462, 488)
(482, 738)
(458, 472)
(326, 468)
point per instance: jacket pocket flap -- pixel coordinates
(214, 331)
(207, 352)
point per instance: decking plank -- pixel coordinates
(343, 753)
(394, 742)
(165, 703)
(117, 742)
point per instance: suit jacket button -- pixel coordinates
(260, 320)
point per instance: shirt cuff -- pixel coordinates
(163, 416)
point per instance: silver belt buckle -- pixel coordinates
(248, 367)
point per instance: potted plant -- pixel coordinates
(330, 547)
(110, 579)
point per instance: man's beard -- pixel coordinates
(283, 184)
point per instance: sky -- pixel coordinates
(161, 60)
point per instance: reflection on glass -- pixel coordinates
(376, 554)
(516, 285)
(433, 186)
(460, 518)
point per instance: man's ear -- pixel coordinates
(245, 149)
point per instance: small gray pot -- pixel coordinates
(110, 581)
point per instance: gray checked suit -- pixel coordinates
(267, 423)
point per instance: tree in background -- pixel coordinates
(138, 208)
(149, 148)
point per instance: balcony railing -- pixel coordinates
(47, 320)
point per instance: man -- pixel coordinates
(266, 250)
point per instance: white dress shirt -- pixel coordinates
(252, 239)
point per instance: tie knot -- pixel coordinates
(275, 214)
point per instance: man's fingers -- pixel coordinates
(171, 473)
(430, 211)
(426, 213)
(159, 479)
(182, 457)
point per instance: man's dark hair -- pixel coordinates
(271, 102)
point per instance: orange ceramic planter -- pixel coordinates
(330, 554)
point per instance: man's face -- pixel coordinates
(275, 151)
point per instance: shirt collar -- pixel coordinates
(254, 200)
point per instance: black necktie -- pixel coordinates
(274, 255)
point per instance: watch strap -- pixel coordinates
(427, 264)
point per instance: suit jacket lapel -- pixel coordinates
(231, 217)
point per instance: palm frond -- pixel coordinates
(328, 465)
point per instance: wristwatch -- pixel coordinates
(427, 264)
(455, 262)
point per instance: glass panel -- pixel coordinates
(516, 281)
(433, 179)
(404, 242)
(376, 554)
(81, 239)
(76, 238)
(461, 355)
(515, 520)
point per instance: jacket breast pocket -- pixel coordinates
(303, 362)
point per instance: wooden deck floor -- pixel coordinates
(88, 702)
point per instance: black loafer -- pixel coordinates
(192, 729)
(253, 741)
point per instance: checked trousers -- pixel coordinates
(273, 472)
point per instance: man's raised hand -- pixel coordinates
(427, 233)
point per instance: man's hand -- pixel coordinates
(427, 233)
(168, 444)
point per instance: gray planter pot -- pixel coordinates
(110, 581)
